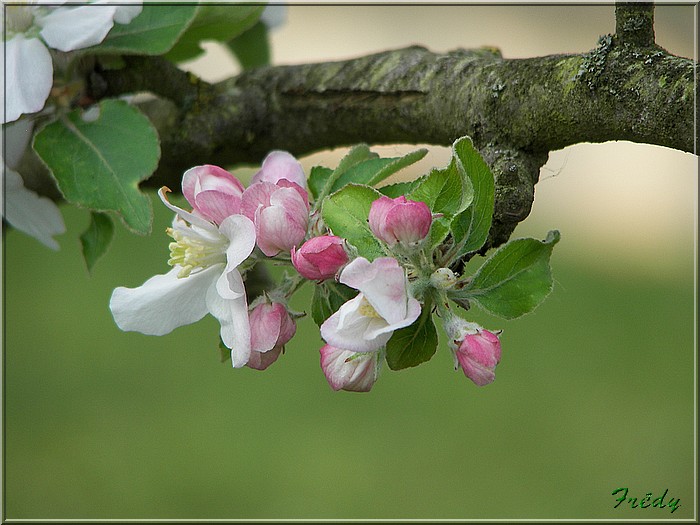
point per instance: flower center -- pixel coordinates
(368, 310)
(192, 251)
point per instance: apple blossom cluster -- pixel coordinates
(230, 229)
(49, 50)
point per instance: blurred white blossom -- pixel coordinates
(31, 30)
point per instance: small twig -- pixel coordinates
(634, 24)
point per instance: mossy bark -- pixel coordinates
(516, 111)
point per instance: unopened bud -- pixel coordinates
(443, 278)
(347, 370)
(399, 220)
(320, 258)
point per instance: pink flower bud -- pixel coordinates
(213, 192)
(261, 360)
(478, 354)
(320, 258)
(271, 327)
(399, 220)
(280, 213)
(346, 370)
(280, 165)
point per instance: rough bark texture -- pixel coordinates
(516, 111)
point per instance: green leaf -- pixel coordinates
(346, 213)
(470, 228)
(357, 154)
(414, 344)
(445, 191)
(214, 22)
(373, 171)
(361, 173)
(397, 164)
(515, 279)
(252, 47)
(97, 238)
(398, 189)
(153, 32)
(98, 162)
(328, 297)
(438, 231)
(317, 179)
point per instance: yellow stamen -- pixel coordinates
(191, 252)
(368, 310)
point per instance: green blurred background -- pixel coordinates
(595, 390)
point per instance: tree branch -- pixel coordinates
(415, 96)
(634, 23)
(516, 111)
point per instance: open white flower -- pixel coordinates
(204, 279)
(32, 29)
(384, 304)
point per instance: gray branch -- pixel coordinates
(516, 111)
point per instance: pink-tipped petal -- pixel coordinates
(282, 225)
(320, 258)
(283, 183)
(409, 222)
(262, 360)
(185, 215)
(280, 165)
(377, 217)
(256, 196)
(265, 326)
(478, 354)
(213, 192)
(399, 220)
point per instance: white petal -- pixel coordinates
(28, 76)
(384, 283)
(240, 231)
(29, 213)
(126, 13)
(17, 136)
(232, 314)
(69, 28)
(163, 302)
(349, 329)
(413, 312)
(241, 234)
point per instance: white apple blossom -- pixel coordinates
(204, 279)
(31, 30)
(384, 304)
(23, 209)
(29, 213)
